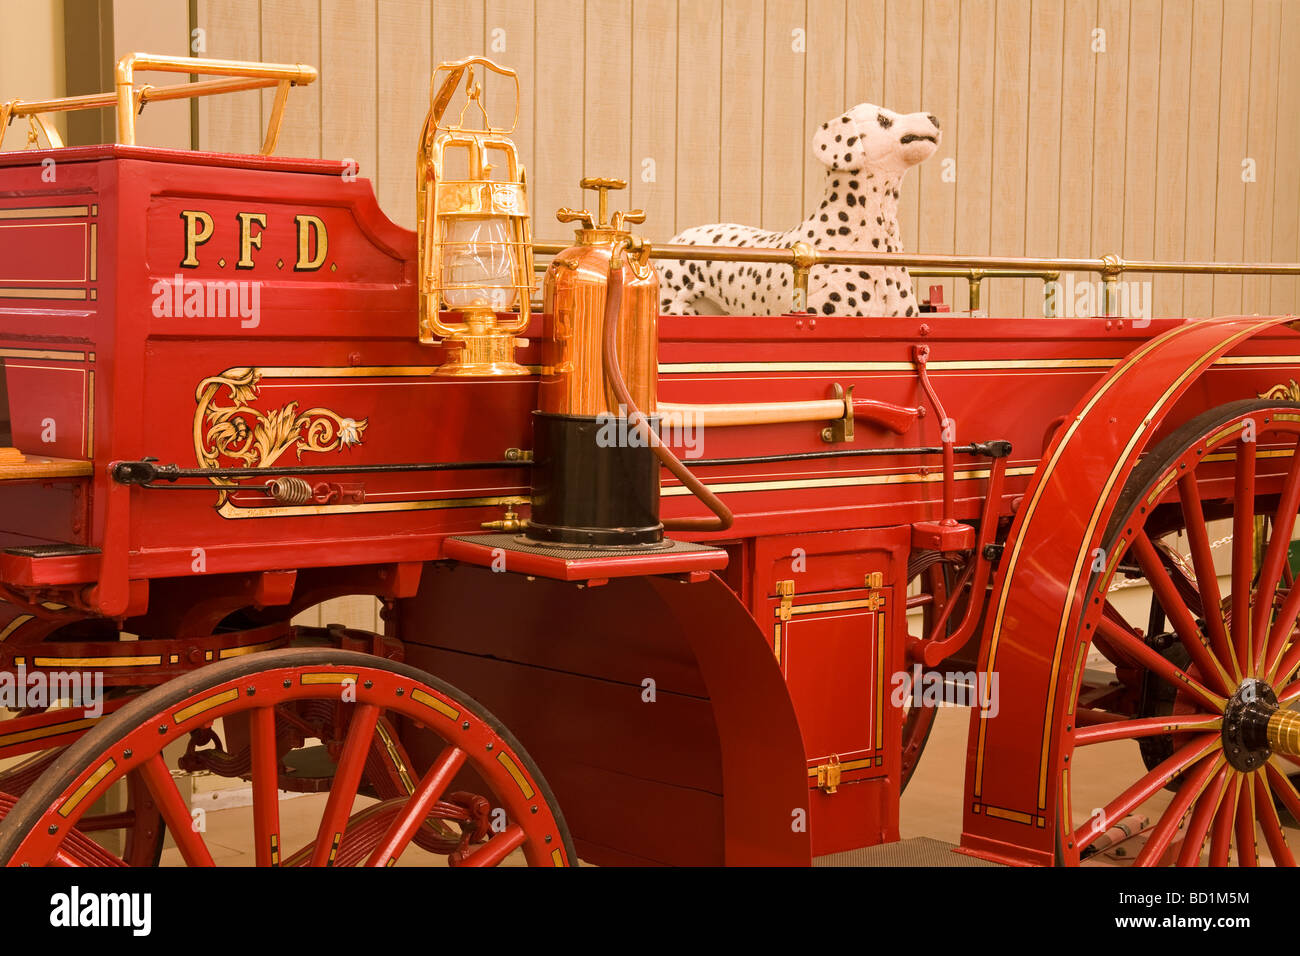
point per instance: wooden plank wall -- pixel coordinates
(1148, 128)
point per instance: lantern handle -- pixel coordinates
(455, 70)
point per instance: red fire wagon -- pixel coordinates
(236, 390)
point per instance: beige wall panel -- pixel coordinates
(1109, 127)
(1078, 96)
(1171, 154)
(823, 88)
(783, 115)
(740, 171)
(1261, 140)
(700, 163)
(1286, 189)
(232, 30)
(145, 26)
(1234, 107)
(349, 104)
(607, 105)
(403, 85)
(1137, 217)
(458, 29)
(864, 52)
(510, 29)
(974, 151)
(1202, 152)
(936, 193)
(32, 60)
(903, 62)
(653, 182)
(1009, 183)
(557, 127)
(291, 33)
(1043, 154)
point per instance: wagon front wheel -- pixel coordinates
(1221, 639)
(470, 795)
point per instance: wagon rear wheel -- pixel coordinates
(475, 799)
(1226, 656)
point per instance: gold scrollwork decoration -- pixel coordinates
(239, 434)
(1284, 391)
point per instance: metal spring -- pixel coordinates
(289, 491)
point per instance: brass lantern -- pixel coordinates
(475, 245)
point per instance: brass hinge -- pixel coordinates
(828, 774)
(785, 589)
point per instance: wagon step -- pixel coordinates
(512, 552)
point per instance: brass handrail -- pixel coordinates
(802, 258)
(129, 99)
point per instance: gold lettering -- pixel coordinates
(307, 227)
(246, 238)
(195, 235)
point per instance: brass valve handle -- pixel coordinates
(565, 214)
(632, 215)
(602, 185)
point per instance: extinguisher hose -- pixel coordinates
(722, 517)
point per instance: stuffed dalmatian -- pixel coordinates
(867, 151)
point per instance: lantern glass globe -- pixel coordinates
(478, 267)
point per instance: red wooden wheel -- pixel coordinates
(1228, 650)
(511, 807)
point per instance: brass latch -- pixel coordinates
(841, 430)
(828, 774)
(785, 589)
(873, 581)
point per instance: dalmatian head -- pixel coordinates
(873, 139)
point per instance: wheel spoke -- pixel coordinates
(1143, 727)
(430, 789)
(1224, 817)
(1275, 557)
(1243, 549)
(1284, 788)
(1198, 827)
(496, 849)
(347, 779)
(158, 778)
(1281, 660)
(1132, 645)
(1140, 791)
(1159, 838)
(1207, 578)
(1271, 823)
(265, 775)
(1180, 617)
(1247, 850)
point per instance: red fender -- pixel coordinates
(1014, 792)
(655, 708)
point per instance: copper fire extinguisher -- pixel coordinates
(596, 450)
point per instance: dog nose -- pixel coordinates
(933, 119)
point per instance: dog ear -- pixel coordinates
(835, 144)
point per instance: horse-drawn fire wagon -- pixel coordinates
(237, 390)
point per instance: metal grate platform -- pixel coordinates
(512, 552)
(580, 552)
(58, 550)
(918, 851)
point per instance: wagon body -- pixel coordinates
(783, 663)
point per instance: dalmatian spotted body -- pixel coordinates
(867, 152)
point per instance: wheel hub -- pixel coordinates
(1254, 727)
